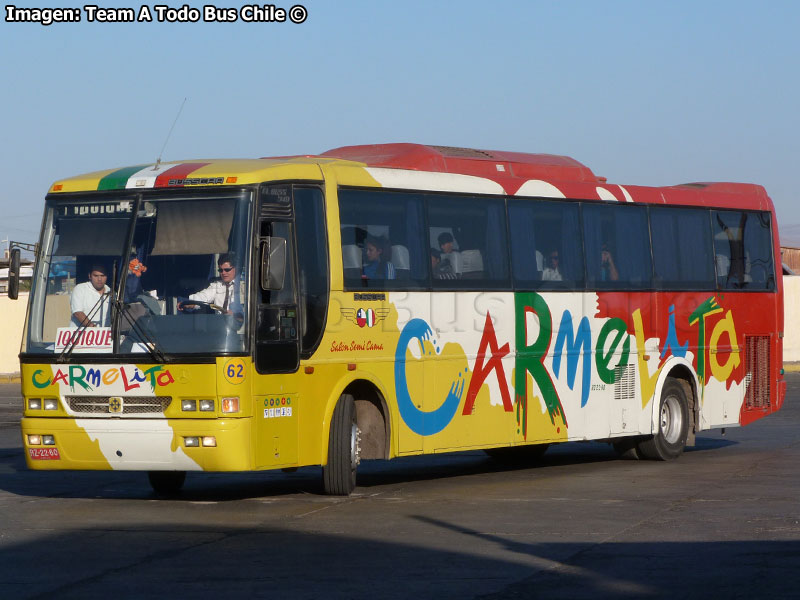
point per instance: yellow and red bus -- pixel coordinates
(391, 300)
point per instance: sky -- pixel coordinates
(644, 93)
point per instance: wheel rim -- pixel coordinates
(671, 419)
(355, 446)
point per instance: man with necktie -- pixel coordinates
(222, 292)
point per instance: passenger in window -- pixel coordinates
(552, 272)
(446, 242)
(440, 270)
(223, 292)
(379, 254)
(608, 270)
(89, 301)
(449, 255)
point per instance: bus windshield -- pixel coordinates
(133, 274)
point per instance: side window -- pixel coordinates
(743, 250)
(683, 257)
(617, 245)
(312, 263)
(382, 240)
(546, 251)
(467, 242)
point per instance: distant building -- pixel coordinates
(25, 271)
(790, 257)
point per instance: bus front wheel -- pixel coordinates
(339, 475)
(673, 425)
(166, 483)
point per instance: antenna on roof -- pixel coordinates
(160, 154)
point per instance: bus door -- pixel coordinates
(277, 346)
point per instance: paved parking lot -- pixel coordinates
(722, 521)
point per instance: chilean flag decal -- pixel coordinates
(365, 317)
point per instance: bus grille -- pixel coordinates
(756, 379)
(276, 211)
(625, 377)
(130, 405)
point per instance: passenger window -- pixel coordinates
(743, 250)
(617, 245)
(546, 251)
(467, 239)
(682, 250)
(382, 240)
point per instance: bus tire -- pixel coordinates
(166, 483)
(673, 425)
(339, 475)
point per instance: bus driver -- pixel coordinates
(222, 292)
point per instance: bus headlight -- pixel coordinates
(34, 404)
(188, 405)
(34, 439)
(210, 441)
(191, 441)
(206, 405)
(48, 440)
(50, 404)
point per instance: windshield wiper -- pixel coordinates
(148, 341)
(120, 308)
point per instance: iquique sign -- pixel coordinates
(90, 339)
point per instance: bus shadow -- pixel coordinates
(225, 487)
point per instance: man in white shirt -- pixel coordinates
(221, 292)
(89, 302)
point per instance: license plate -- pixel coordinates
(44, 453)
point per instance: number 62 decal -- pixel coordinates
(234, 371)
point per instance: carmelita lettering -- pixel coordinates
(43, 16)
(353, 346)
(90, 378)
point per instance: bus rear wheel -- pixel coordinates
(166, 483)
(673, 425)
(339, 474)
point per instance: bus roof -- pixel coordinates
(510, 173)
(467, 161)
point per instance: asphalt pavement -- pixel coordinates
(721, 521)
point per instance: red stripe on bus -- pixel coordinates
(176, 173)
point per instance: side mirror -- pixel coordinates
(273, 263)
(13, 274)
